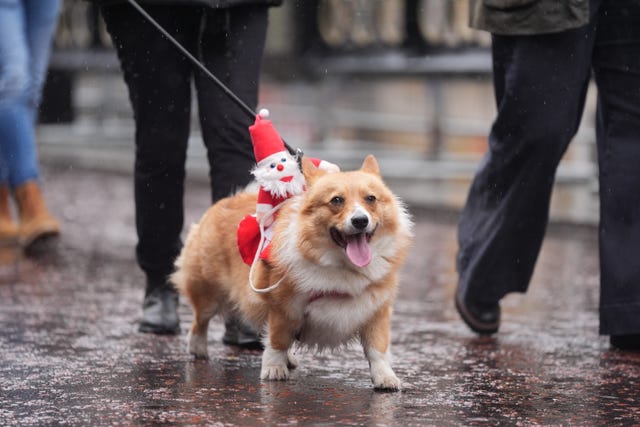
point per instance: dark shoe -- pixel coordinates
(160, 311)
(482, 318)
(239, 334)
(625, 342)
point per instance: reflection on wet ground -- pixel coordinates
(70, 353)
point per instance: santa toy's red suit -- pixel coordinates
(279, 176)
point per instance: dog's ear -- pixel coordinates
(370, 165)
(310, 171)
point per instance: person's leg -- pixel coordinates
(158, 77)
(41, 17)
(617, 71)
(540, 85)
(13, 80)
(232, 47)
(15, 121)
(25, 54)
(26, 31)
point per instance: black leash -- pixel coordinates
(239, 102)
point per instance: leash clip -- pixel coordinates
(299, 155)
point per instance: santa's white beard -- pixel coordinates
(279, 188)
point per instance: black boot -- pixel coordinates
(160, 309)
(482, 318)
(239, 334)
(629, 342)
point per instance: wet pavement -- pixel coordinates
(70, 353)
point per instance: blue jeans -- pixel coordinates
(26, 31)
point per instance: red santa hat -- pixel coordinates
(265, 138)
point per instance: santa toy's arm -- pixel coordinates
(264, 204)
(324, 165)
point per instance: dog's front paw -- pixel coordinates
(274, 373)
(386, 382)
(197, 345)
(274, 364)
(382, 376)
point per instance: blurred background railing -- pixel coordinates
(404, 79)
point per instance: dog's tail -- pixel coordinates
(178, 278)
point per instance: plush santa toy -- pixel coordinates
(279, 176)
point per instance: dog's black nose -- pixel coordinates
(360, 222)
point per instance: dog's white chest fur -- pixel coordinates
(332, 321)
(331, 316)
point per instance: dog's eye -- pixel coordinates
(370, 198)
(337, 201)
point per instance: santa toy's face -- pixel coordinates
(279, 174)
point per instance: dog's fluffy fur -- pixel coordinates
(325, 300)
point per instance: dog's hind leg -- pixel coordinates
(292, 361)
(197, 339)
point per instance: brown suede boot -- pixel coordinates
(9, 232)
(35, 220)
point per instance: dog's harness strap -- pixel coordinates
(256, 257)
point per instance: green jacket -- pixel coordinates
(527, 17)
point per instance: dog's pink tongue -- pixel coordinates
(358, 250)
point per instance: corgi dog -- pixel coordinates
(331, 276)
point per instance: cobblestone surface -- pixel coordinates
(70, 353)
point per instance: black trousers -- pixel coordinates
(540, 85)
(230, 43)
